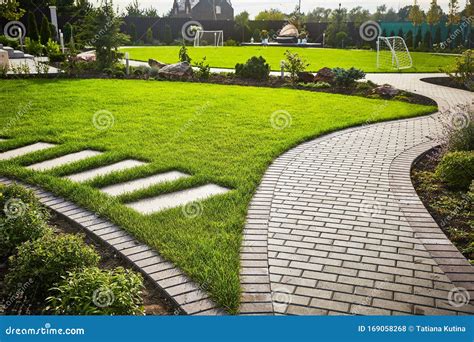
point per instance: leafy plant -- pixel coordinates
(458, 129)
(183, 54)
(33, 47)
(45, 31)
(255, 68)
(4, 70)
(22, 218)
(6, 41)
(317, 85)
(44, 261)
(456, 169)
(347, 77)
(463, 70)
(294, 65)
(204, 70)
(92, 291)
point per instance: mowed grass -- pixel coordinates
(217, 134)
(227, 57)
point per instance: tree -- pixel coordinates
(32, 27)
(133, 32)
(358, 16)
(403, 13)
(453, 12)
(391, 15)
(150, 12)
(104, 33)
(45, 32)
(318, 15)
(271, 14)
(242, 23)
(133, 10)
(380, 12)
(432, 18)
(149, 36)
(11, 10)
(416, 16)
(168, 34)
(336, 26)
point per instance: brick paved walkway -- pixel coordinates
(336, 227)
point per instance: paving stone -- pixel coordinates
(142, 183)
(176, 199)
(63, 160)
(21, 151)
(104, 170)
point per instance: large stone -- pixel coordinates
(63, 160)
(305, 77)
(105, 170)
(156, 64)
(325, 75)
(178, 70)
(386, 90)
(21, 151)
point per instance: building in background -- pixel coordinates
(203, 9)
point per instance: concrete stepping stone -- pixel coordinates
(176, 199)
(21, 151)
(142, 183)
(63, 160)
(104, 170)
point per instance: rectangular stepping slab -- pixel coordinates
(63, 160)
(176, 199)
(21, 151)
(142, 183)
(104, 170)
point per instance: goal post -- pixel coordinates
(209, 38)
(392, 52)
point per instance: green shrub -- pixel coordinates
(13, 43)
(92, 291)
(43, 263)
(456, 169)
(347, 77)
(459, 129)
(183, 54)
(317, 85)
(462, 72)
(33, 47)
(294, 65)
(22, 218)
(255, 68)
(204, 70)
(230, 42)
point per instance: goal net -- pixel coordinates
(392, 53)
(209, 38)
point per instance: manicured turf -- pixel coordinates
(218, 134)
(227, 57)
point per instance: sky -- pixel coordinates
(255, 6)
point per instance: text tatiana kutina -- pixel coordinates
(446, 328)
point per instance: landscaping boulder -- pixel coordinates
(325, 75)
(305, 77)
(386, 91)
(156, 64)
(178, 70)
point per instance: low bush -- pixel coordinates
(5, 41)
(33, 47)
(230, 42)
(459, 129)
(43, 262)
(317, 85)
(456, 169)
(347, 77)
(204, 70)
(183, 54)
(294, 65)
(22, 218)
(255, 68)
(92, 291)
(462, 72)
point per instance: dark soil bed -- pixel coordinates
(154, 302)
(452, 210)
(444, 81)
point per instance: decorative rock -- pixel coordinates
(325, 75)
(182, 69)
(305, 77)
(386, 90)
(156, 64)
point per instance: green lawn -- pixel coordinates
(218, 134)
(227, 57)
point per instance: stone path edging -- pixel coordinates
(187, 296)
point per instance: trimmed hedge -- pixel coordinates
(456, 169)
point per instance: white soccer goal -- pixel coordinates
(392, 52)
(209, 38)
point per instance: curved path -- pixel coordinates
(337, 228)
